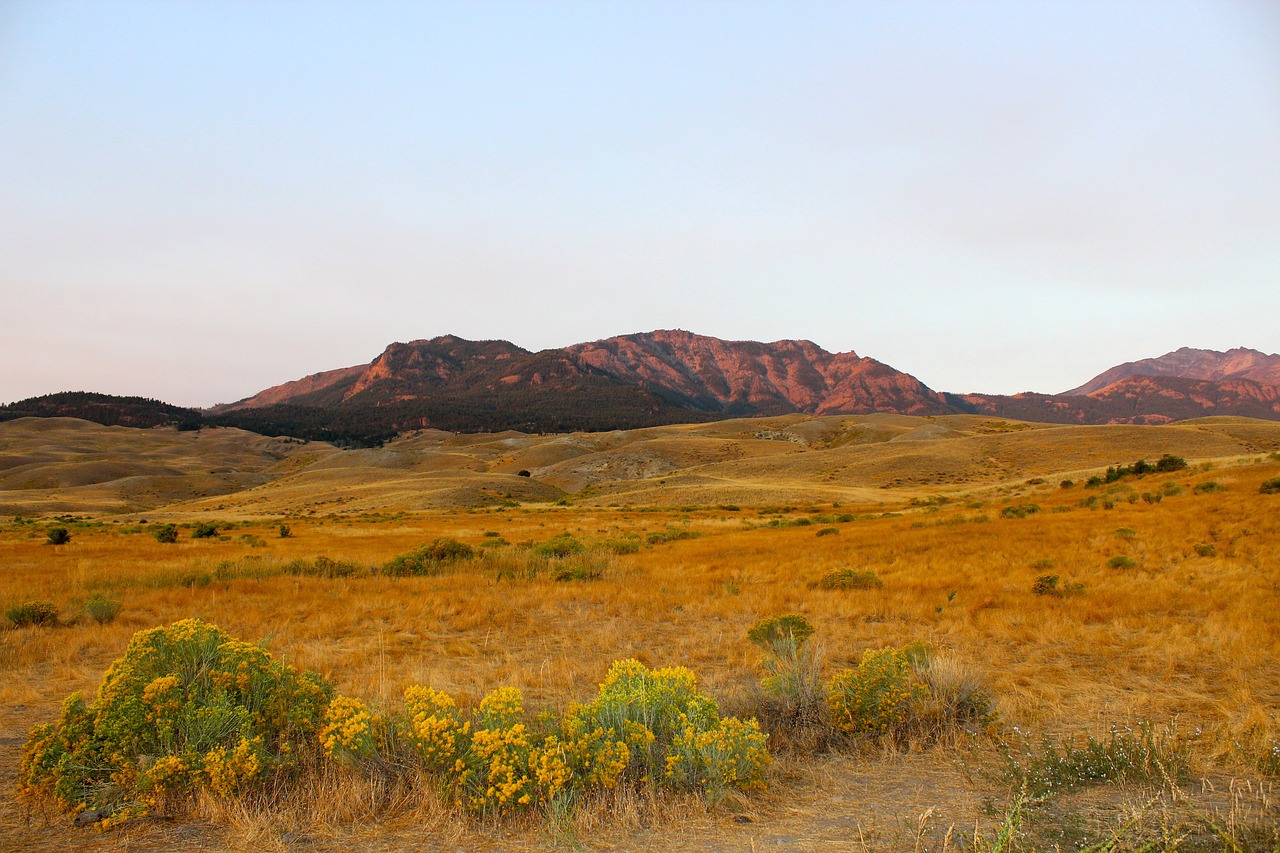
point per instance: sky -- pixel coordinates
(199, 200)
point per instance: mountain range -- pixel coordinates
(674, 376)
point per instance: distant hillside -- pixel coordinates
(669, 377)
(1187, 363)
(103, 409)
(749, 378)
(620, 383)
(1133, 400)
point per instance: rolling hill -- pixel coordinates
(51, 466)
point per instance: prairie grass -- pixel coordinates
(1188, 632)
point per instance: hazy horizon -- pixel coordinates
(200, 201)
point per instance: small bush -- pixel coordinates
(102, 609)
(673, 734)
(1019, 510)
(1066, 484)
(564, 545)
(252, 541)
(877, 695)
(661, 537)
(1120, 561)
(324, 567)
(204, 530)
(1270, 487)
(1048, 585)
(1207, 487)
(166, 533)
(1169, 463)
(1152, 497)
(580, 572)
(186, 709)
(428, 559)
(284, 531)
(1204, 550)
(768, 631)
(828, 531)
(1124, 533)
(32, 613)
(621, 546)
(793, 699)
(849, 579)
(57, 536)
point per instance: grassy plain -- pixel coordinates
(1186, 635)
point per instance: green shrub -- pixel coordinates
(252, 541)
(1120, 561)
(284, 531)
(768, 631)
(57, 536)
(793, 697)
(166, 533)
(1124, 533)
(429, 559)
(849, 579)
(1207, 487)
(1066, 484)
(564, 545)
(621, 546)
(1048, 585)
(204, 530)
(32, 613)
(661, 537)
(579, 572)
(187, 708)
(1019, 510)
(324, 567)
(828, 531)
(102, 609)
(1203, 550)
(1270, 487)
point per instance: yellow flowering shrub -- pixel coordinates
(499, 771)
(878, 694)
(186, 707)
(655, 726)
(436, 730)
(348, 729)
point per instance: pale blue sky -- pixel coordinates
(202, 199)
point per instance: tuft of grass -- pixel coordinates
(848, 579)
(1160, 755)
(1048, 585)
(101, 608)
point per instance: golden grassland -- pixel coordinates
(1188, 634)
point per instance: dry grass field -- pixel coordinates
(1163, 611)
